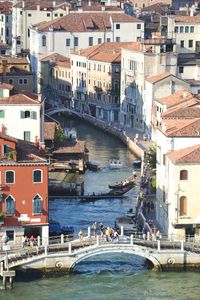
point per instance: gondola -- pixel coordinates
(124, 183)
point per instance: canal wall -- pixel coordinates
(117, 132)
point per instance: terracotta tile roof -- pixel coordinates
(6, 7)
(83, 22)
(29, 152)
(182, 113)
(135, 46)
(44, 5)
(154, 79)
(79, 147)
(6, 86)
(14, 60)
(181, 127)
(25, 98)
(15, 71)
(49, 130)
(57, 59)
(186, 155)
(177, 98)
(107, 52)
(98, 7)
(26, 151)
(187, 19)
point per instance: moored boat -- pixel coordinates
(115, 164)
(129, 225)
(137, 163)
(94, 165)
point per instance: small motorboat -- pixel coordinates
(124, 183)
(131, 213)
(137, 163)
(115, 164)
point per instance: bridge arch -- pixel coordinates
(102, 250)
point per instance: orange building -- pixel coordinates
(23, 189)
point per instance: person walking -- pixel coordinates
(80, 235)
(94, 226)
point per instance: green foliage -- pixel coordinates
(59, 135)
(151, 157)
(11, 155)
(1, 216)
(153, 183)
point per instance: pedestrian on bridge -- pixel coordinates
(80, 235)
(94, 226)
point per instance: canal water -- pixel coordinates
(110, 276)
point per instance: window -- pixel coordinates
(117, 26)
(7, 19)
(10, 235)
(29, 15)
(37, 176)
(25, 81)
(27, 136)
(68, 42)
(90, 41)
(138, 26)
(183, 175)
(10, 81)
(181, 70)
(28, 32)
(186, 29)
(48, 15)
(44, 42)
(182, 44)
(190, 43)
(75, 42)
(117, 39)
(34, 115)
(2, 114)
(191, 29)
(27, 114)
(176, 29)
(99, 40)
(55, 15)
(37, 205)
(61, 15)
(10, 176)
(10, 206)
(183, 206)
(6, 149)
(108, 40)
(181, 29)
(20, 81)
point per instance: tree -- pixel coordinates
(59, 135)
(151, 157)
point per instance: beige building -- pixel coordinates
(55, 79)
(96, 80)
(141, 60)
(182, 191)
(138, 4)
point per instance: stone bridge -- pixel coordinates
(163, 255)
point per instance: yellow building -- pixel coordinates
(55, 79)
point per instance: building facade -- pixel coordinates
(24, 210)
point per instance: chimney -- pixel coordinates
(4, 65)
(40, 98)
(23, 4)
(164, 127)
(184, 95)
(89, 3)
(38, 7)
(103, 8)
(3, 129)
(54, 3)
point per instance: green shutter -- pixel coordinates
(33, 115)
(2, 114)
(22, 114)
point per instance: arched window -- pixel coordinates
(183, 175)
(10, 206)
(37, 205)
(27, 114)
(37, 176)
(183, 206)
(44, 41)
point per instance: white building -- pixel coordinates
(157, 86)
(184, 29)
(174, 134)
(139, 61)
(79, 31)
(182, 190)
(6, 22)
(27, 13)
(22, 115)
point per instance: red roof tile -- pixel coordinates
(156, 78)
(186, 155)
(181, 127)
(178, 97)
(25, 98)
